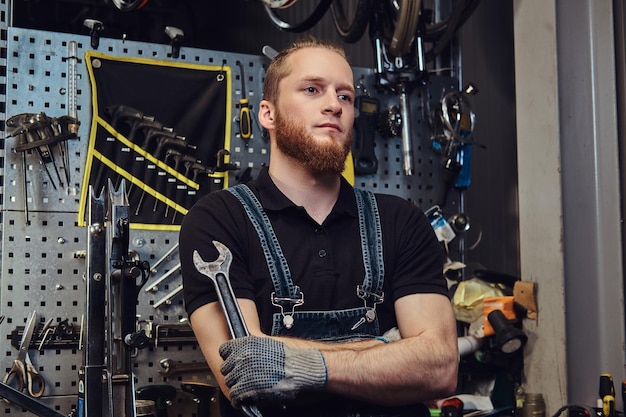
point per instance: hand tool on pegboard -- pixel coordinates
(175, 158)
(176, 36)
(164, 140)
(96, 27)
(365, 124)
(606, 392)
(22, 373)
(43, 134)
(193, 170)
(245, 120)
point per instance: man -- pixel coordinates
(320, 270)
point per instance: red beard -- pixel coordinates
(328, 157)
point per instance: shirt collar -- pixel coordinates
(273, 199)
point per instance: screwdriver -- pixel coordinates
(245, 124)
(624, 393)
(607, 394)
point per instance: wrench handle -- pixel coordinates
(235, 321)
(229, 304)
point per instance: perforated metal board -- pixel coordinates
(42, 265)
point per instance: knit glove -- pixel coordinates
(264, 369)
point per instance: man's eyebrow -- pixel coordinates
(316, 79)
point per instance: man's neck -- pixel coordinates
(316, 193)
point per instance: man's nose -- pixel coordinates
(332, 103)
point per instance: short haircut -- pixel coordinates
(279, 68)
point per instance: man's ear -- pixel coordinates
(267, 114)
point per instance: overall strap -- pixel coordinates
(372, 248)
(276, 262)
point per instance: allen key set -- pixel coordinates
(46, 136)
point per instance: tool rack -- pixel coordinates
(43, 258)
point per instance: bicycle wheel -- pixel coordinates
(351, 21)
(306, 24)
(406, 27)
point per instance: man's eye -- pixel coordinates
(345, 97)
(310, 89)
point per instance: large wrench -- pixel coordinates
(217, 271)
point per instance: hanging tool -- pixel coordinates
(44, 134)
(22, 372)
(176, 35)
(177, 157)
(96, 28)
(607, 395)
(72, 97)
(365, 124)
(218, 272)
(31, 134)
(245, 121)
(198, 168)
(165, 140)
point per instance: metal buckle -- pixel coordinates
(293, 302)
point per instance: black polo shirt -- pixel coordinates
(325, 260)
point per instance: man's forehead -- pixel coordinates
(310, 64)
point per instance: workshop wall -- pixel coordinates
(44, 242)
(242, 26)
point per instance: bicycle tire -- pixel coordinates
(406, 27)
(351, 31)
(305, 24)
(436, 30)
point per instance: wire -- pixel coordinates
(588, 411)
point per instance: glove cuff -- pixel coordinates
(307, 366)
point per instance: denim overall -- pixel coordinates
(331, 326)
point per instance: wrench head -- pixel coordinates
(219, 265)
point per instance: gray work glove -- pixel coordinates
(264, 369)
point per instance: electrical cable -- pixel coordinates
(586, 410)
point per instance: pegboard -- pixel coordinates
(43, 248)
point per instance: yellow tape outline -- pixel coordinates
(97, 120)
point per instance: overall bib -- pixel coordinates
(331, 326)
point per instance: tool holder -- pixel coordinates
(111, 301)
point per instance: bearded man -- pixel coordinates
(341, 289)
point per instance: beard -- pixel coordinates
(328, 157)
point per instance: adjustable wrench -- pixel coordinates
(217, 271)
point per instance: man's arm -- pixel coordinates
(211, 330)
(423, 365)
